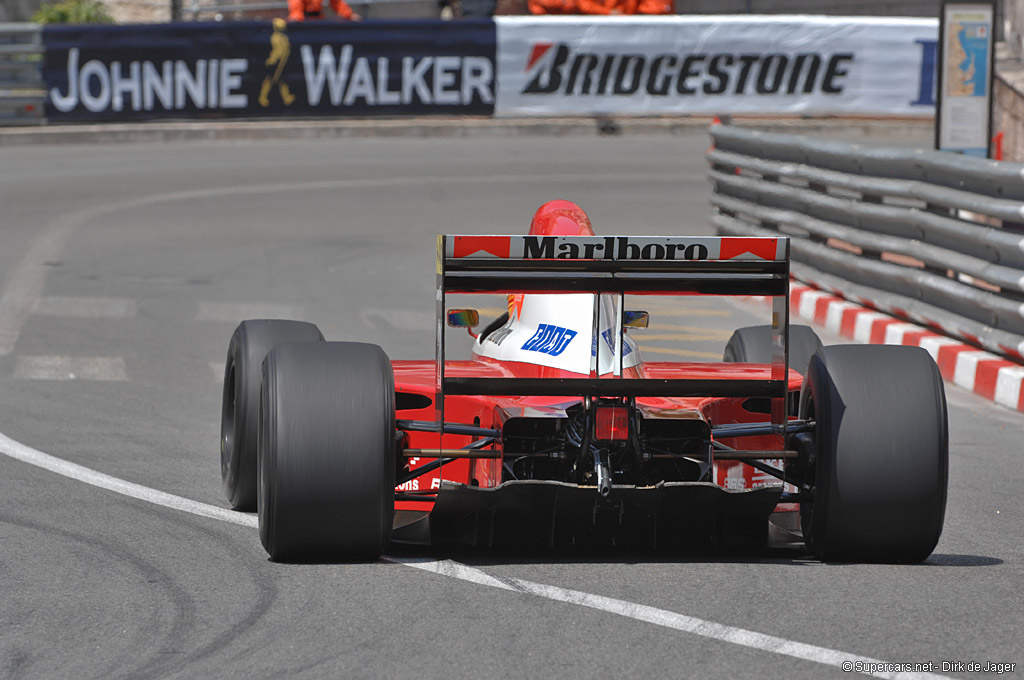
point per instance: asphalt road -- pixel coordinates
(124, 271)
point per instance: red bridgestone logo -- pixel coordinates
(538, 51)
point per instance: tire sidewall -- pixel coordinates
(326, 452)
(250, 343)
(880, 458)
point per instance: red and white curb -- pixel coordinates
(983, 373)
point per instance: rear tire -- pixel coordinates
(250, 343)
(879, 457)
(753, 344)
(327, 452)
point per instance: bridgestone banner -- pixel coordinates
(265, 69)
(715, 65)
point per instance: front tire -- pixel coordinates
(879, 457)
(250, 343)
(327, 452)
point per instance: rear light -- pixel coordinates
(612, 423)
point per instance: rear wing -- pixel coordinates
(613, 264)
(619, 265)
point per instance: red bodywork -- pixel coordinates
(417, 377)
(563, 219)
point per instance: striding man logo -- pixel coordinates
(280, 49)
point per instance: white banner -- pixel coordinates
(557, 65)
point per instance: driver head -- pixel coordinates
(560, 218)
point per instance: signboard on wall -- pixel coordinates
(561, 65)
(264, 69)
(963, 118)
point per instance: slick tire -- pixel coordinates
(327, 452)
(251, 342)
(753, 344)
(879, 456)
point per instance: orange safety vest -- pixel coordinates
(552, 6)
(300, 10)
(655, 7)
(607, 7)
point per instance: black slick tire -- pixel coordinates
(327, 452)
(879, 456)
(753, 344)
(250, 343)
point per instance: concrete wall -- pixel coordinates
(1008, 87)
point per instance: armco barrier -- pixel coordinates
(925, 235)
(21, 79)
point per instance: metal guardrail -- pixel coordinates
(931, 236)
(21, 74)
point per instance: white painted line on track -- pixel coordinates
(80, 473)
(632, 610)
(660, 617)
(26, 281)
(70, 368)
(87, 307)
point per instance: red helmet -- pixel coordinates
(560, 218)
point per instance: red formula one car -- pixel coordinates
(556, 430)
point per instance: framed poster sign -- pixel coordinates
(963, 112)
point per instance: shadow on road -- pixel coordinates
(483, 557)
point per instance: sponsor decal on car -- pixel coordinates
(609, 340)
(549, 339)
(619, 248)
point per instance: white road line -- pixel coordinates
(218, 370)
(70, 368)
(658, 617)
(80, 473)
(87, 307)
(27, 280)
(236, 312)
(638, 612)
